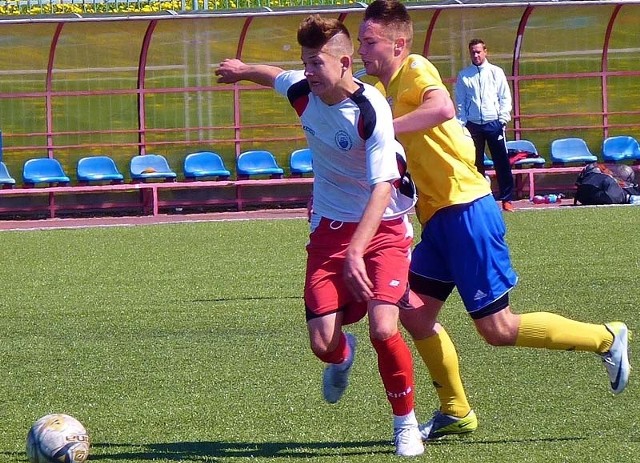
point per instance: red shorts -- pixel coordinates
(387, 260)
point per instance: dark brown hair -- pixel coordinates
(393, 15)
(315, 31)
(474, 42)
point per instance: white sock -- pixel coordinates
(405, 421)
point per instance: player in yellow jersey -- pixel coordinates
(463, 233)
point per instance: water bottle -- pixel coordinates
(634, 199)
(547, 199)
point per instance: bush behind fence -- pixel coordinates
(48, 7)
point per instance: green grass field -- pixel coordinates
(186, 342)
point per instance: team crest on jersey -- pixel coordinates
(343, 140)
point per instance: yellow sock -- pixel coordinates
(551, 331)
(439, 355)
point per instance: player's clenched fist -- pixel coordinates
(230, 71)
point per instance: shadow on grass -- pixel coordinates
(470, 441)
(250, 298)
(195, 451)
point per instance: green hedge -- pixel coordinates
(48, 7)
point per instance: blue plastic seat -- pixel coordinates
(98, 169)
(487, 161)
(6, 180)
(572, 150)
(528, 146)
(620, 148)
(257, 163)
(301, 162)
(151, 167)
(205, 164)
(44, 170)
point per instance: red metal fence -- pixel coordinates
(78, 86)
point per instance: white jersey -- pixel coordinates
(353, 147)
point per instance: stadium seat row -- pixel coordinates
(206, 165)
(574, 151)
(203, 165)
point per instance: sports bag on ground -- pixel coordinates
(601, 184)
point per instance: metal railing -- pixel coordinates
(133, 83)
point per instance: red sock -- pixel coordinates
(339, 355)
(396, 369)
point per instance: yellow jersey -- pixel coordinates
(441, 160)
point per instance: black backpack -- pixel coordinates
(596, 185)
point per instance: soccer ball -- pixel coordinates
(57, 438)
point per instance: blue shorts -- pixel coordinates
(464, 246)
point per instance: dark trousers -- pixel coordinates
(493, 134)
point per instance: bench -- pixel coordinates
(529, 174)
(240, 199)
(52, 191)
(150, 200)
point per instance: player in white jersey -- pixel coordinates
(359, 246)
(350, 148)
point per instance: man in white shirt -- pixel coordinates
(483, 101)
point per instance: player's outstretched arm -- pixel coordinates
(234, 70)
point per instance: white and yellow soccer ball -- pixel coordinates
(57, 438)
